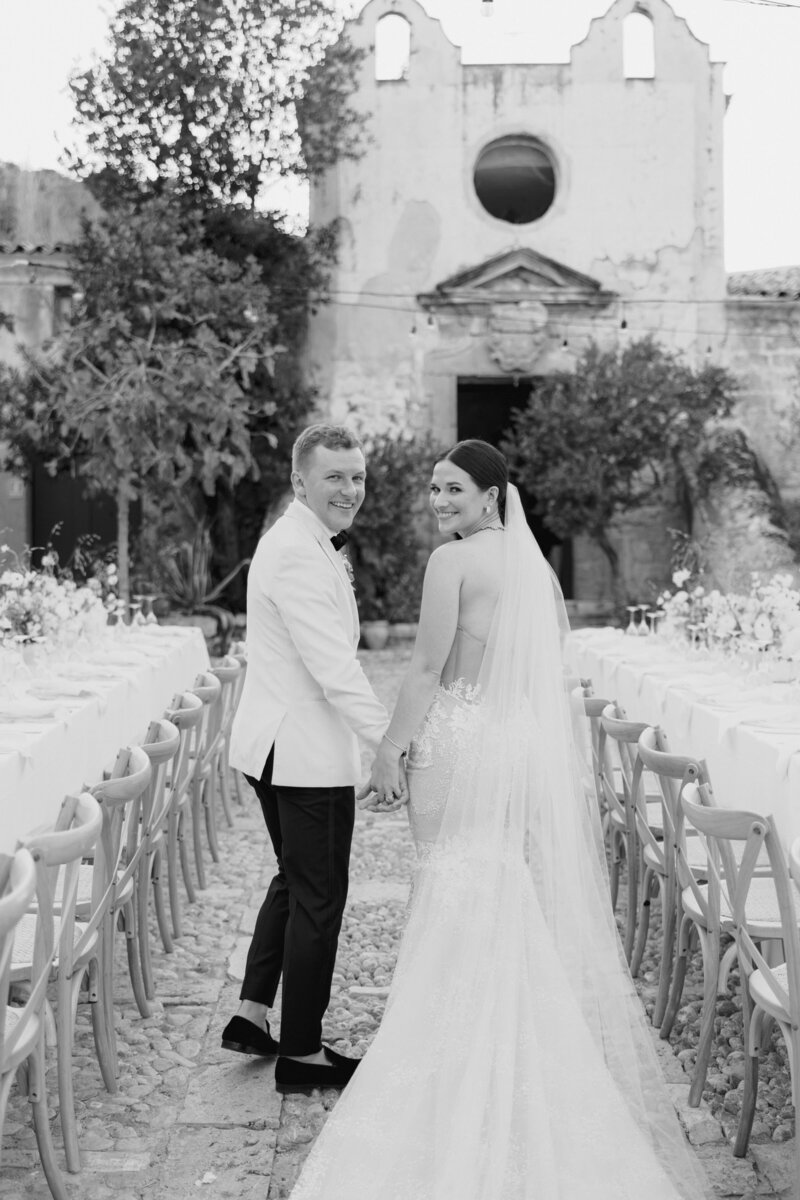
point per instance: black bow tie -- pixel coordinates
(340, 539)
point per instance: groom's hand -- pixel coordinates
(386, 790)
(369, 799)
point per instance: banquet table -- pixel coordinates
(744, 724)
(63, 720)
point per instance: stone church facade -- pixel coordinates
(503, 216)
(40, 217)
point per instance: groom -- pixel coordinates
(305, 703)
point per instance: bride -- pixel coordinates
(513, 1061)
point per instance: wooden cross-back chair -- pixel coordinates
(69, 947)
(115, 872)
(186, 714)
(161, 745)
(712, 905)
(22, 1043)
(618, 752)
(667, 860)
(230, 672)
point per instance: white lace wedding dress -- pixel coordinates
(513, 1061)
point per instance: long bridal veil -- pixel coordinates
(513, 1061)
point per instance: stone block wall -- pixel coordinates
(762, 348)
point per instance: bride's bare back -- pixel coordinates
(478, 561)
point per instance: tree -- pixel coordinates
(390, 541)
(156, 380)
(599, 442)
(213, 98)
(294, 269)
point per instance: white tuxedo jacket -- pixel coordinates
(304, 690)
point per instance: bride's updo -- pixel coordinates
(484, 464)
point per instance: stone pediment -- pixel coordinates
(514, 277)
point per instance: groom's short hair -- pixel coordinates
(332, 437)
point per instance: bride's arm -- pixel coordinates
(438, 619)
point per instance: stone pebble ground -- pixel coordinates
(190, 1119)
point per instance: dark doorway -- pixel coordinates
(484, 411)
(62, 514)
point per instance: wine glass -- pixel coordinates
(643, 628)
(631, 626)
(137, 617)
(653, 615)
(150, 617)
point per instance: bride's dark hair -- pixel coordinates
(484, 464)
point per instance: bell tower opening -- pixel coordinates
(484, 408)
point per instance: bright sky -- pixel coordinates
(758, 39)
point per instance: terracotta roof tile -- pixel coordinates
(30, 248)
(779, 282)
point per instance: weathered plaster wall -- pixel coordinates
(638, 200)
(638, 209)
(41, 207)
(40, 212)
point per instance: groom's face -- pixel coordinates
(331, 483)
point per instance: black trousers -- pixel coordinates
(297, 929)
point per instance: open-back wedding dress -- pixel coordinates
(513, 1061)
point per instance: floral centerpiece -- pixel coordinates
(767, 618)
(43, 604)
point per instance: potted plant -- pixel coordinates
(185, 571)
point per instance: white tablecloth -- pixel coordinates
(110, 695)
(747, 730)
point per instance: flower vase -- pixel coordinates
(32, 654)
(375, 634)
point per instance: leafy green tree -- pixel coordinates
(391, 539)
(157, 379)
(294, 269)
(600, 441)
(215, 98)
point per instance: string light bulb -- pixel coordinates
(487, 8)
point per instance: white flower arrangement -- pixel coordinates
(767, 618)
(41, 605)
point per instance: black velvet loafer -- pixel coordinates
(292, 1077)
(246, 1038)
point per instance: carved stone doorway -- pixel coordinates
(484, 409)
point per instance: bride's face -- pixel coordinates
(456, 499)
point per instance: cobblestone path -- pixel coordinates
(190, 1119)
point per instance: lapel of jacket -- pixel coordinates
(306, 518)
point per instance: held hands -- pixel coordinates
(386, 790)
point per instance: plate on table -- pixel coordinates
(59, 689)
(121, 658)
(24, 709)
(93, 671)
